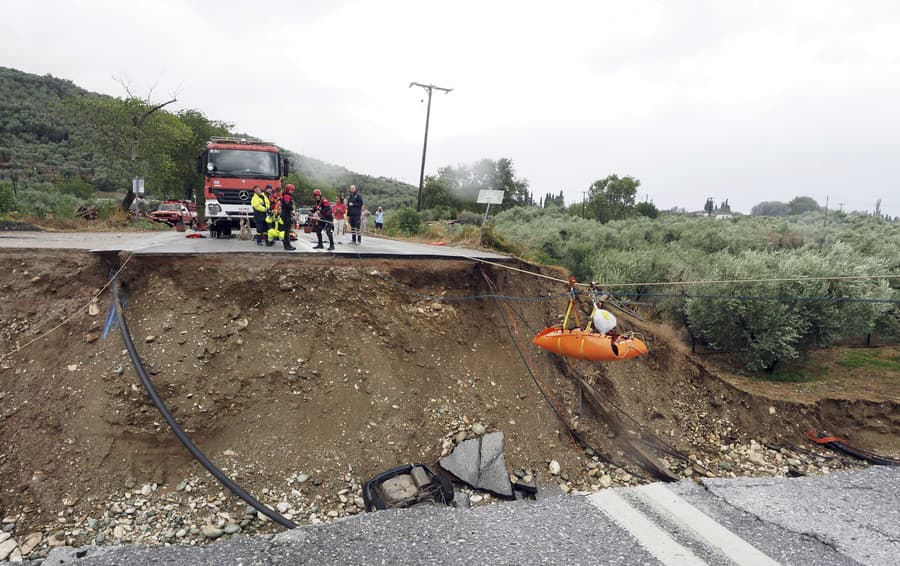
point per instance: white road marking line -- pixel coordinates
(657, 542)
(705, 528)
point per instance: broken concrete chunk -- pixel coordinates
(480, 463)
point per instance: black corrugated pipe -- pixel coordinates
(179, 432)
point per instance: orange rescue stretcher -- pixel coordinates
(588, 344)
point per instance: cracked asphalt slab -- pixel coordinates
(857, 514)
(843, 518)
(177, 243)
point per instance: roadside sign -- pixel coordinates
(490, 197)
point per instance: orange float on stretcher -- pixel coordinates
(589, 345)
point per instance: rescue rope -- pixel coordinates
(78, 311)
(680, 283)
(577, 437)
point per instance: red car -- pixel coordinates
(173, 211)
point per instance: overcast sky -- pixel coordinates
(738, 99)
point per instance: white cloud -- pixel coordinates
(746, 100)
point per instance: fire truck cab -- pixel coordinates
(231, 167)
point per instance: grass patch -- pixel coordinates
(792, 375)
(869, 360)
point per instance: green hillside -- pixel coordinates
(38, 141)
(57, 137)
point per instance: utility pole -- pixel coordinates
(825, 223)
(429, 88)
(583, 199)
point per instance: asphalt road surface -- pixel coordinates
(175, 243)
(843, 518)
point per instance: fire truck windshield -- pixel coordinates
(242, 163)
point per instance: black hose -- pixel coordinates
(179, 432)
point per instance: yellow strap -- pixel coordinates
(566, 320)
(591, 319)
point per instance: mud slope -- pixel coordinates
(335, 367)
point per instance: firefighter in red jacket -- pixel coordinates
(325, 222)
(287, 216)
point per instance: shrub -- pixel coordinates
(77, 187)
(405, 221)
(471, 218)
(7, 197)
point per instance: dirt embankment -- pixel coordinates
(337, 369)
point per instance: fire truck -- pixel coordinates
(231, 167)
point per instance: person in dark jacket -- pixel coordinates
(354, 213)
(287, 216)
(325, 222)
(260, 205)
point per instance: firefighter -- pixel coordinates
(287, 216)
(314, 209)
(273, 220)
(325, 222)
(260, 205)
(354, 214)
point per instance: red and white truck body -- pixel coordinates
(231, 167)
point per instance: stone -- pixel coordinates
(119, 531)
(6, 548)
(480, 463)
(756, 458)
(146, 489)
(302, 477)
(30, 542)
(211, 532)
(57, 539)
(605, 481)
(181, 533)
(150, 339)
(283, 506)
(478, 429)
(231, 529)
(553, 467)
(4, 536)
(16, 556)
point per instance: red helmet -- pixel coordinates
(317, 193)
(325, 202)
(289, 188)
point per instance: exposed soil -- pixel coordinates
(276, 365)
